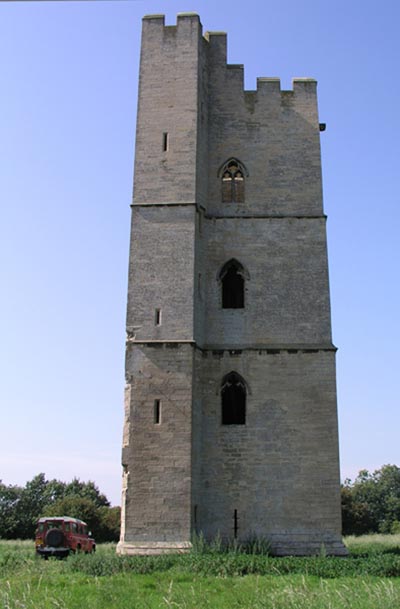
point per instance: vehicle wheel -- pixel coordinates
(54, 538)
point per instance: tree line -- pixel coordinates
(20, 507)
(371, 504)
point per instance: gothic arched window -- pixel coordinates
(233, 399)
(232, 277)
(232, 174)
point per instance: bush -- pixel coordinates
(395, 528)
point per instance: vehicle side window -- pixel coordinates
(74, 527)
(67, 527)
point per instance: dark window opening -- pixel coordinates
(157, 411)
(232, 286)
(233, 182)
(233, 398)
(158, 317)
(165, 142)
(235, 523)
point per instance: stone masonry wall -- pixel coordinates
(168, 103)
(161, 272)
(274, 133)
(286, 292)
(157, 456)
(280, 470)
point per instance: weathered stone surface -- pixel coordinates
(277, 476)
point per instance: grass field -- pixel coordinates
(368, 579)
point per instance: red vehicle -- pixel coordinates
(61, 535)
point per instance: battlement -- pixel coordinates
(154, 18)
(215, 45)
(182, 19)
(184, 33)
(267, 85)
(272, 84)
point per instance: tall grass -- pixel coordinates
(372, 555)
(174, 591)
(369, 557)
(373, 544)
(205, 578)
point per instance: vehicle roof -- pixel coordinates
(64, 518)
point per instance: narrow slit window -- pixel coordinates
(235, 523)
(165, 141)
(158, 317)
(157, 412)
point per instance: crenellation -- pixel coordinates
(189, 16)
(153, 20)
(217, 47)
(268, 86)
(306, 84)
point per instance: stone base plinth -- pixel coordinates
(153, 547)
(307, 547)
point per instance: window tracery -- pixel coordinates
(232, 175)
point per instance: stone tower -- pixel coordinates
(230, 416)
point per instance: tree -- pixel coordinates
(356, 517)
(9, 499)
(33, 498)
(20, 507)
(372, 502)
(103, 522)
(110, 523)
(77, 507)
(86, 489)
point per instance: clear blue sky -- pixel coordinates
(68, 85)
